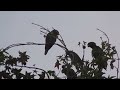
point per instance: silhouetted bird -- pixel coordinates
(75, 59)
(98, 55)
(50, 40)
(96, 50)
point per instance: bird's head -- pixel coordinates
(55, 32)
(92, 44)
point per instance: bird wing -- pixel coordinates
(50, 41)
(97, 52)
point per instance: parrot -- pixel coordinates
(98, 55)
(50, 40)
(96, 50)
(75, 59)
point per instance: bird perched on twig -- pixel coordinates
(50, 40)
(98, 55)
(96, 50)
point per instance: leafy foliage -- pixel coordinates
(69, 64)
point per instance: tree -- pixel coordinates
(70, 63)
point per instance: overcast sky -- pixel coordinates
(74, 26)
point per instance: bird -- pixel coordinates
(75, 59)
(50, 40)
(96, 50)
(99, 56)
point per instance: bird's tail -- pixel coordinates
(45, 52)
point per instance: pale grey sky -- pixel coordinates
(74, 26)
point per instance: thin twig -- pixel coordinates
(104, 34)
(58, 72)
(61, 46)
(41, 27)
(62, 41)
(118, 65)
(43, 32)
(21, 44)
(83, 54)
(29, 43)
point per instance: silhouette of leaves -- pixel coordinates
(42, 75)
(57, 64)
(23, 58)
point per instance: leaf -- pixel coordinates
(51, 73)
(16, 71)
(103, 45)
(79, 43)
(2, 57)
(23, 58)
(111, 77)
(57, 64)
(28, 75)
(84, 46)
(19, 76)
(42, 75)
(11, 61)
(35, 71)
(6, 75)
(55, 77)
(59, 57)
(111, 64)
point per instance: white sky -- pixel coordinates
(74, 26)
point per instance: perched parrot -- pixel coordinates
(75, 59)
(98, 55)
(50, 40)
(96, 50)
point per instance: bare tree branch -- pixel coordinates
(29, 43)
